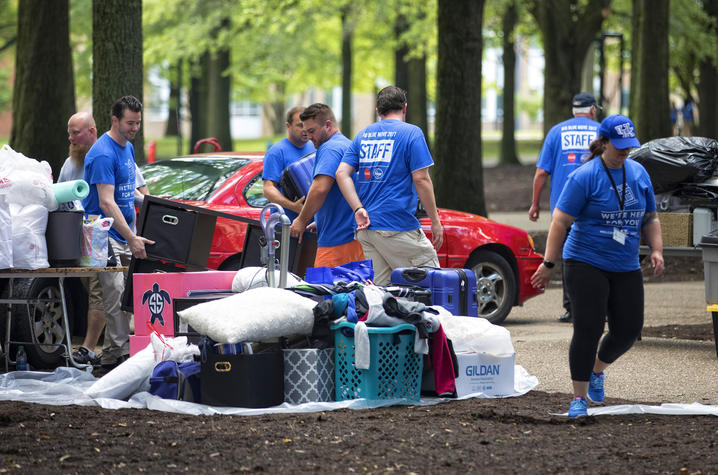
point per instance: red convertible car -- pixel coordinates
(501, 256)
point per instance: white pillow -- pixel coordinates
(258, 314)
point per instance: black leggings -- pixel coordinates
(596, 294)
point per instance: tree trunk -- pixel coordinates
(274, 113)
(650, 108)
(175, 106)
(274, 109)
(410, 75)
(508, 155)
(568, 30)
(117, 61)
(416, 112)
(347, 34)
(44, 89)
(401, 65)
(708, 121)
(218, 101)
(198, 100)
(459, 174)
(636, 49)
(708, 84)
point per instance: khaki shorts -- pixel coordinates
(117, 321)
(389, 250)
(94, 290)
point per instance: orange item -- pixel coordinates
(151, 151)
(335, 256)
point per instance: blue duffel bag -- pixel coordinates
(180, 381)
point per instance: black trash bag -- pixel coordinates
(671, 161)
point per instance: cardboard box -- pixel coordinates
(154, 294)
(676, 229)
(482, 373)
(308, 375)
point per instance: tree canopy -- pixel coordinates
(280, 49)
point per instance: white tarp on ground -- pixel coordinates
(67, 386)
(666, 409)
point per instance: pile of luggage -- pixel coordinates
(334, 336)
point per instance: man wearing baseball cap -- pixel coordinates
(565, 148)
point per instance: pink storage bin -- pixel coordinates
(154, 294)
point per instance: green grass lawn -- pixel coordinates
(528, 149)
(167, 146)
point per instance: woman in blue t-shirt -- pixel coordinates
(608, 202)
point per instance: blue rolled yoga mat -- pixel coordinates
(70, 190)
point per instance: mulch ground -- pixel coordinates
(513, 435)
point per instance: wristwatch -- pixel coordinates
(549, 264)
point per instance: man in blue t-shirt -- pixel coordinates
(110, 172)
(280, 156)
(393, 161)
(82, 134)
(333, 216)
(565, 148)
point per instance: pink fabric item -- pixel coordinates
(443, 365)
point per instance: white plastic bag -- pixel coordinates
(476, 335)
(172, 349)
(133, 375)
(26, 181)
(94, 242)
(252, 277)
(29, 248)
(5, 234)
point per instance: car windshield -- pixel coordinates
(190, 178)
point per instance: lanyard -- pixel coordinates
(621, 199)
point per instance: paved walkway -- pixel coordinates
(655, 370)
(520, 219)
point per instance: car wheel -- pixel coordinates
(44, 325)
(495, 285)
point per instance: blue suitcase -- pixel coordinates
(297, 177)
(453, 289)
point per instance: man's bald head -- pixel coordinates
(81, 129)
(82, 134)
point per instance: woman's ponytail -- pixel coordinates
(597, 147)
